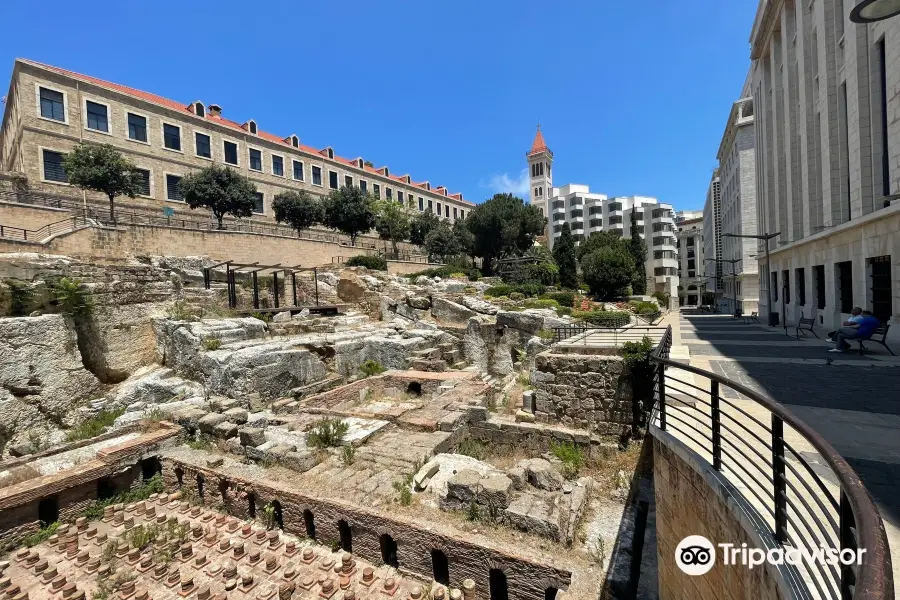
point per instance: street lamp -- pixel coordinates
(871, 11)
(733, 275)
(773, 316)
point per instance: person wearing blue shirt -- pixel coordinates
(855, 317)
(862, 331)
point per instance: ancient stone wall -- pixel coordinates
(692, 500)
(527, 580)
(26, 216)
(530, 436)
(584, 391)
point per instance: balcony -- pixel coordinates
(558, 206)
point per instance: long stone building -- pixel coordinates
(826, 94)
(588, 212)
(712, 238)
(48, 110)
(689, 231)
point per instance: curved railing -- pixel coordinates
(763, 448)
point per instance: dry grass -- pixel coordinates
(605, 470)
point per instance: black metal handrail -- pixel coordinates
(791, 498)
(37, 235)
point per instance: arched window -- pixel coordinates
(251, 505)
(278, 514)
(199, 109)
(550, 593)
(179, 476)
(414, 388)
(310, 523)
(389, 551)
(499, 589)
(346, 536)
(535, 192)
(440, 567)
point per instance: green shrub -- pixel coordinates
(264, 317)
(371, 367)
(499, 290)
(201, 442)
(376, 263)
(458, 275)
(531, 288)
(545, 334)
(442, 272)
(95, 425)
(181, 311)
(563, 298)
(154, 485)
(212, 343)
(611, 319)
(571, 457)
(40, 536)
(516, 296)
(70, 297)
(474, 274)
(564, 311)
(326, 433)
(472, 447)
(348, 454)
(20, 297)
(644, 308)
(541, 303)
(404, 494)
(662, 298)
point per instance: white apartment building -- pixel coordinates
(689, 234)
(588, 212)
(737, 176)
(826, 94)
(712, 240)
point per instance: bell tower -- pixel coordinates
(540, 160)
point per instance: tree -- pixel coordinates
(638, 250)
(595, 241)
(102, 169)
(222, 190)
(392, 222)
(465, 241)
(564, 255)
(423, 223)
(608, 271)
(440, 242)
(350, 211)
(543, 270)
(503, 225)
(299, 209)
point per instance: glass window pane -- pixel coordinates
(260, 206)
(137, 127)
(255, 160)
(171, 137)
(52, 105)
(203, 148)
(53, 166)
(231, 153)
(143, 182)
(173, 188)
(97, 116)
(298, 170)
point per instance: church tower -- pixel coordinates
(540, 160)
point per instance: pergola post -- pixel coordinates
(255, 291)
(275, 286)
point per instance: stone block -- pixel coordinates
(209, 422)
(236, 415)
(541, 474)
(252, 436)
(225, 430)
(447, 311)
(463, 486)
(494, 491)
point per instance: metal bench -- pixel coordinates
(753, 317)
(805, 325)
(881, 330)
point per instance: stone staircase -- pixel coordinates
(438, 358)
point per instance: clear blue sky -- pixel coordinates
(632, 96)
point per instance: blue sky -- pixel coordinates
(632, 96)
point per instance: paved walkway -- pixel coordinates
(851, 400)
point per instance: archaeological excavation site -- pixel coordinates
(168, 430)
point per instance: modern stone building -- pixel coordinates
(48, 110)
(737, 175)
(689, 234)
(827, 94)
(588, 212)
(712, 240)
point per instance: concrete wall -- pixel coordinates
(689, 501)
(527, 580)
(30, 217)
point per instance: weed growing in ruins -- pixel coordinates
(472, 512)
(154, 485)
(404, 494)
(264, 317)
(524, 379)
(95, 425)
(109, 551)
(212, 343)
(571, 457)
(20, 297)
(598, 551)
(269, 515)
(152, 418)
(142, 536)
(70, 296)
(36, 441)
(201, 442)
(326, 433)
(41, 535)
(545, 334)
(472, 447)
(181, 311)
(348, 454)
(491, 402)
(335, 545)
(370, 368)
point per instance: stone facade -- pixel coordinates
(589, 392)
(827, 93)
(690, 259)
(691, 502)
(712, 234)
(26, 133)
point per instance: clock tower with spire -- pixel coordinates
(540, 160)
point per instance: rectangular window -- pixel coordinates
(278, 166)
(202, 142)
(317, 175)
(97, 116)
(438, 209)
(348, 181)
(173, 188)
(255, 160)
(845, 286)
(53, 105)
(231, 152)
(298, 170)
(53, 167)
(447, 210)
(819, 275)
(376, 189)
(430, 206)
(883, 106)
(260, 206)
(421, 203)
(363, 185)
(800, 276)
(774, 288)
(137, 127)
(454, 212)
(172, 137)
(143, 181)
(388, 193)
(786, 284)
(881, 298)
(333, 180)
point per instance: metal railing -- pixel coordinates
(37, 235)
(760, 445)
(605, 336)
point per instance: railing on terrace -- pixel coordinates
(37, 235)
(588, 334)
(767, 452)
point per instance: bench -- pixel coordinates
(738, 313)
(753, 317)
(881, 330)
(805, 325)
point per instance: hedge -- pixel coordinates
(611, 319)
(375, 263)
(526, 289)
(563, 298)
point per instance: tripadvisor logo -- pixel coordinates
(695, 555)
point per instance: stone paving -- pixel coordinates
(851, 400)
(207, 556)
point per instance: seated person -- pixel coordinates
(853, 321)
(862, 331)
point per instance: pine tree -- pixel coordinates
(638, 250)
(564, 255)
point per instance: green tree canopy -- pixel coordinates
(350, 211)
(421, 224)
(465, 241)
(441, 243)
(392, 222)
(299, 209)
(608, 271)
(102, 169)
(503, 225)
(601, 239)
(564, 255)
(638, 250)
(222, 190)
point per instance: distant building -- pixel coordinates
(689, 232)
(712, 241)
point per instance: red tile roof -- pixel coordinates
(538, 145)
(186, 108)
